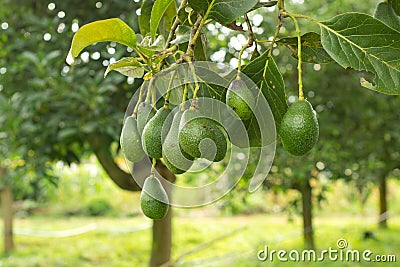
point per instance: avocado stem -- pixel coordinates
(153, 96)
(166, 103)
(184, 97)
(153, 166)
(148, 94)
(299, 63)
(139, 100)
(195, 104)
(196, 83)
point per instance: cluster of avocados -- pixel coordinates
(178, 139)
(184, 136)
(181, 137)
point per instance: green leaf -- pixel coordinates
(159, 8)
(223, 11)
(127, 66)
(395, 5)
(362, 42)
(272, 85)
(311, 48)
(385, 13)
(149, 48)
(182, 35)
(169, 16)
(112, 30)
(200, 48)
(264, 4)
(145, 16)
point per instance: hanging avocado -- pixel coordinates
(131, 143)
(240, 99)
(144, 114)
(153, 131)
(153, 199)
(299, 129)
(202, 137)
(173, 157)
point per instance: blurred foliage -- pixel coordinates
(98, 207)
(53, 109)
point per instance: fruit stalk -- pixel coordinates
(139, 100)
(153, 167)
(166, 103)
(277, 29)
(184, 97)
(147, 100)
(299, 63)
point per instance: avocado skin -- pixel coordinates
(197, 129)
(130, 141)
(144, 114)
(151, 206)
(299, 130)
(240, 99)
(153, 133)
(172, 151)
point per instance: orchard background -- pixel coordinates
(67, 197)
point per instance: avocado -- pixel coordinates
(198, 136)
(172, 154)
(240, 99)
(131, 143)
(299, 130)
(154, 132)
(153, 199)
(144, 113)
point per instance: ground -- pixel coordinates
(197, 241)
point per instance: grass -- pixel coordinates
(114, 242)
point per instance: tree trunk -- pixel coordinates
(162, 241)
(306, 197)
(7, 210)
(162, 229)
(382, 201)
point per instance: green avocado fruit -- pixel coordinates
(240, 99)
(175, 160)
(144, 113)
(199, 136)
(155, 131)
(130, 140)
(153, 199)
(299, 128)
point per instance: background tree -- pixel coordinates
(62, 114)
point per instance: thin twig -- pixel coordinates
(174, 26)
(198, 27)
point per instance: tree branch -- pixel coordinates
(123, 179)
